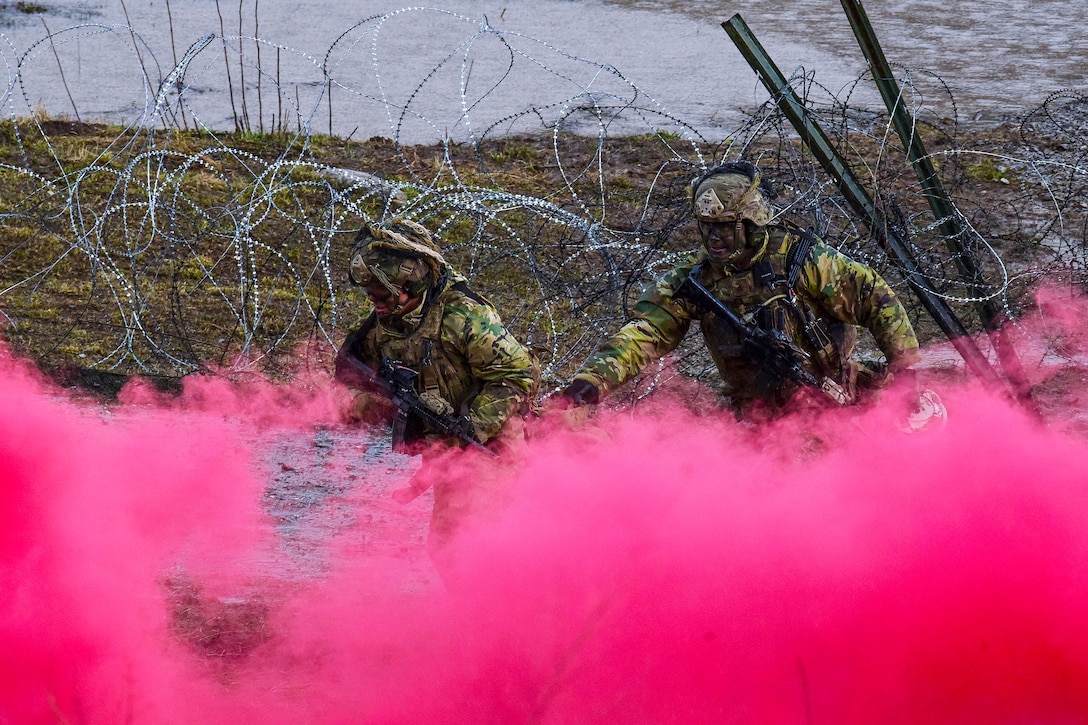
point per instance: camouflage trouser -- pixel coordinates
(470, 489)
(468, 498)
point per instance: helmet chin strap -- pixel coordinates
(746, 254)
(399, 322)
(417, 304)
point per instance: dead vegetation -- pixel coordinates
(166, 253)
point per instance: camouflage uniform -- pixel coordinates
(833, 294)
(467, 362)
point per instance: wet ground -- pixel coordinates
(333, 487)
(327, 495)
(998, 58)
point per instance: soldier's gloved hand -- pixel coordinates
(468, 428)
(367, 407)
(873, 375)
(582, 392)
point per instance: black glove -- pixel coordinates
(468, 428)
(582, 392)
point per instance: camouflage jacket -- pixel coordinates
(832, 295)
(468, 362)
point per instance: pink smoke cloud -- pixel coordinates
(670, 578)
(657, 566)
(97, 507)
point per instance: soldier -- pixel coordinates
(469, 378)
(776, 278)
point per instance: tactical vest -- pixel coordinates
(766, 295)
(445, 382)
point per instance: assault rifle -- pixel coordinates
(399, 383)
(777, 356)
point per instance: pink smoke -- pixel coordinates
(657, 568)
(97, 508)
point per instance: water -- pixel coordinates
(404, 75)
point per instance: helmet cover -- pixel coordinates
(397, 254)
(727, 197)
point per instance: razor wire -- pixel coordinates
(199, 237)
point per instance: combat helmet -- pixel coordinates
(732, 191)
(398, 255)
(730, 203)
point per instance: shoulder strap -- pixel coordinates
(814, 329)
(467, 292)
(798, 255)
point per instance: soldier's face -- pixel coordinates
(386, 302)
(725, 241)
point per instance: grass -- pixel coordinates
(165, 253)
(30, 8)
